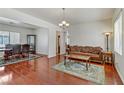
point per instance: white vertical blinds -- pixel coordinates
(118, 34)
(9, 38)
(14, 38)
(4, 38)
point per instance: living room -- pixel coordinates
(90, 33)
(86, 34)
(61, 43)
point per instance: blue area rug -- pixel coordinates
(17, 60)
(95, 73)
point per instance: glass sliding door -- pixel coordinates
(7, 37)
(4, 38)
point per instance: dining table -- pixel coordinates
(3, 50)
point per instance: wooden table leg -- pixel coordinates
(89, 62)
(87, 65)
(65, 61)
(112, 59)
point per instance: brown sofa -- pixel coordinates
(94, 52)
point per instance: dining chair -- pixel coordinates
(8, 51)
(16, 52)
(25, 50)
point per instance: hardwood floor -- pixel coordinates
(40, 71)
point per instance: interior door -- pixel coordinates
(57, 42)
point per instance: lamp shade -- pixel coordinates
(107, 33)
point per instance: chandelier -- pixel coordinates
(64, 24)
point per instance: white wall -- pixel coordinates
(16, 15)
(119, 59)
(90, 33)
(52, 43)
(42, 41)
(23, 31)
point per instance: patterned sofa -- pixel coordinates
(94, 52)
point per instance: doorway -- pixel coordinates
(58, 43)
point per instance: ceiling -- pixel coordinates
(73, 15)
(16, 23)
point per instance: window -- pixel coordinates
(9, 38)
(118, 34)
(14, 38)
(4, 38)
(1, 39)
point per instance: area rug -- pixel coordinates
(17, 60)
(95, 73)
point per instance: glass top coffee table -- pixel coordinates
(79, 58)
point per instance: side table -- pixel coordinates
(108, 57)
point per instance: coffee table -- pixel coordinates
(78, 57)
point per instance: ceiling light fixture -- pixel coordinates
(64, 24)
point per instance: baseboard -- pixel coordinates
(119, 74)
(41, 54)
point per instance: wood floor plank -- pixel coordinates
(40, 72)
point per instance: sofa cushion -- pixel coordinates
(97, 50)
(86, 49)
(94, 52)
(75, 48)
(87, 54)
